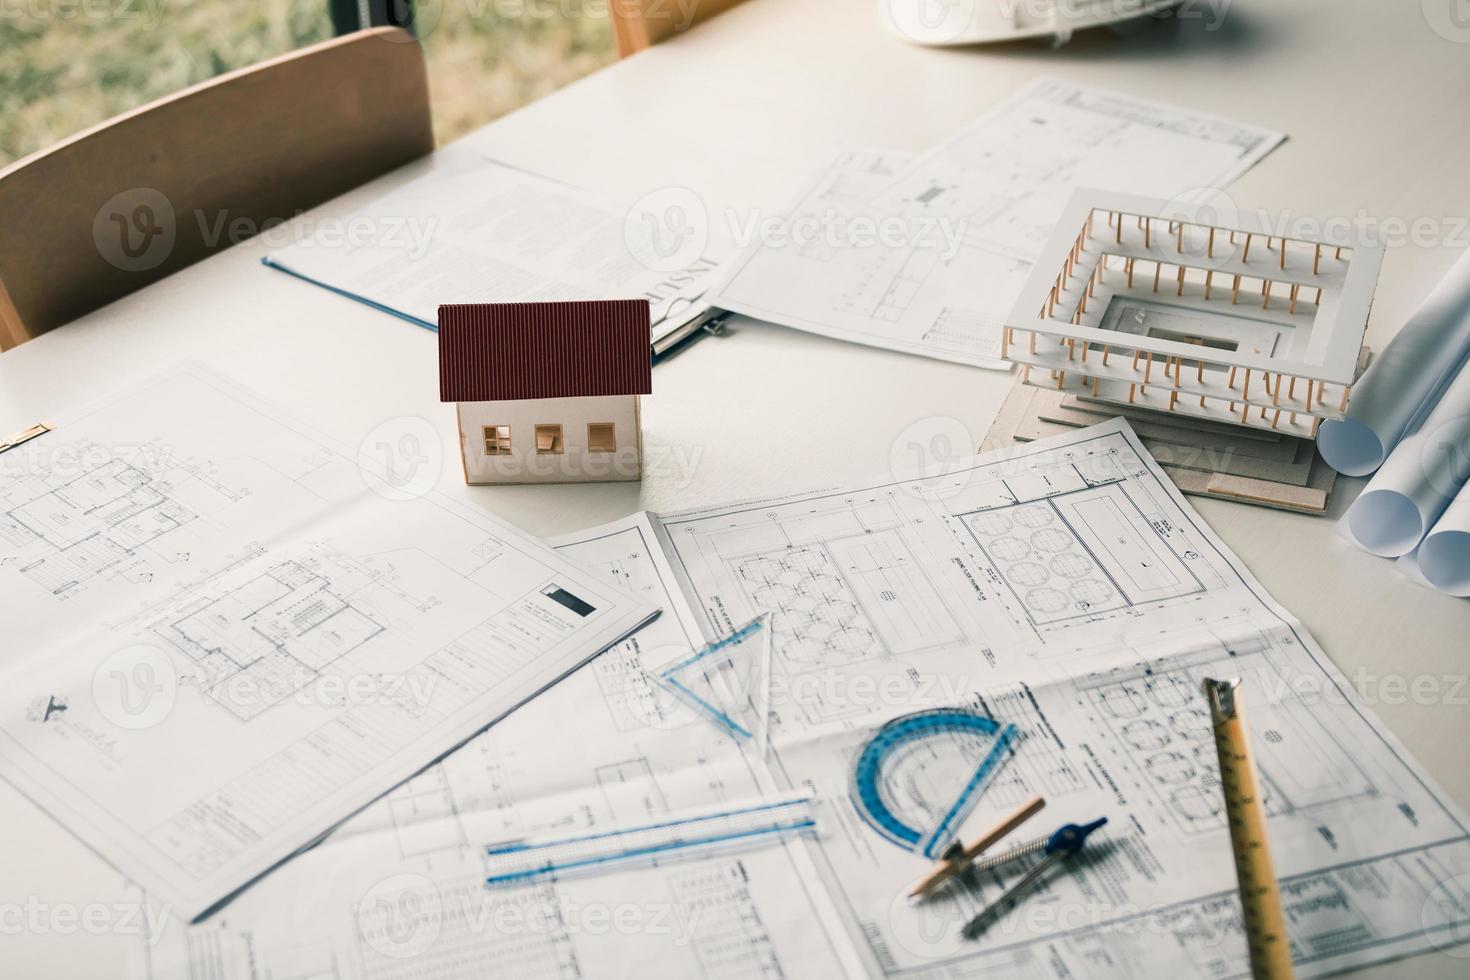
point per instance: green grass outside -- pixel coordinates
(68, 64)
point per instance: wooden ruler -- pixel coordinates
(1260, 897)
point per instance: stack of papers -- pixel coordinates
(923, 254)
(289, 638)
(1064, 588)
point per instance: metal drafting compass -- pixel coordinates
(1062, 844)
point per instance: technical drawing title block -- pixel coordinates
(1147, 303)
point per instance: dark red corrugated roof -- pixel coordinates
(501, 351)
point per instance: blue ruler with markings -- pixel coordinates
(690, 835)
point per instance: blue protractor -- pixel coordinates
(919, 776)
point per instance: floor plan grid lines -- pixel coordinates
(1157, 714)
(1040, 762)
(98, 513)
(1079, 553)
(1086, 602)
(256, 642)
(730, 939)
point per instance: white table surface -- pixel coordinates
(1374, 99)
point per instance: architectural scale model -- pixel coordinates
(1139, 302)
(547, 392)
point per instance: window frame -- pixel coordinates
(612, 431)
(558, 442)
(496, 449)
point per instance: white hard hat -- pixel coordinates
(953, 22)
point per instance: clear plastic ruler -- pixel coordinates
(755, 823)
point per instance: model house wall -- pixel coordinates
(571, 460)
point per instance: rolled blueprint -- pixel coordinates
(1421, 476)
(1444, 557)
(1404, 382)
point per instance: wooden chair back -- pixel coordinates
(129, 201)
(638, 24)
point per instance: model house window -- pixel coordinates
(548, 439)
(601, 437)
(497, 440)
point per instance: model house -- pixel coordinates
(547, 392)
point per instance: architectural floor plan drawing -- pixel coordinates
(1153, 712)
(847, 599)
(398, 892)
(1079, 553)
(848, 593)
(961, 224)
(1011, 171)
(89, 513)
(1046, 768)
(248, 677)
(1070, 551)
(1068, 590)
(911, 297)
(1374, 860)
(272, 631)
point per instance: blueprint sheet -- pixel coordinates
(398, 892)
(1066, 587)
(479, 231)
(926, 254)
(887, 599)
(221, 641)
